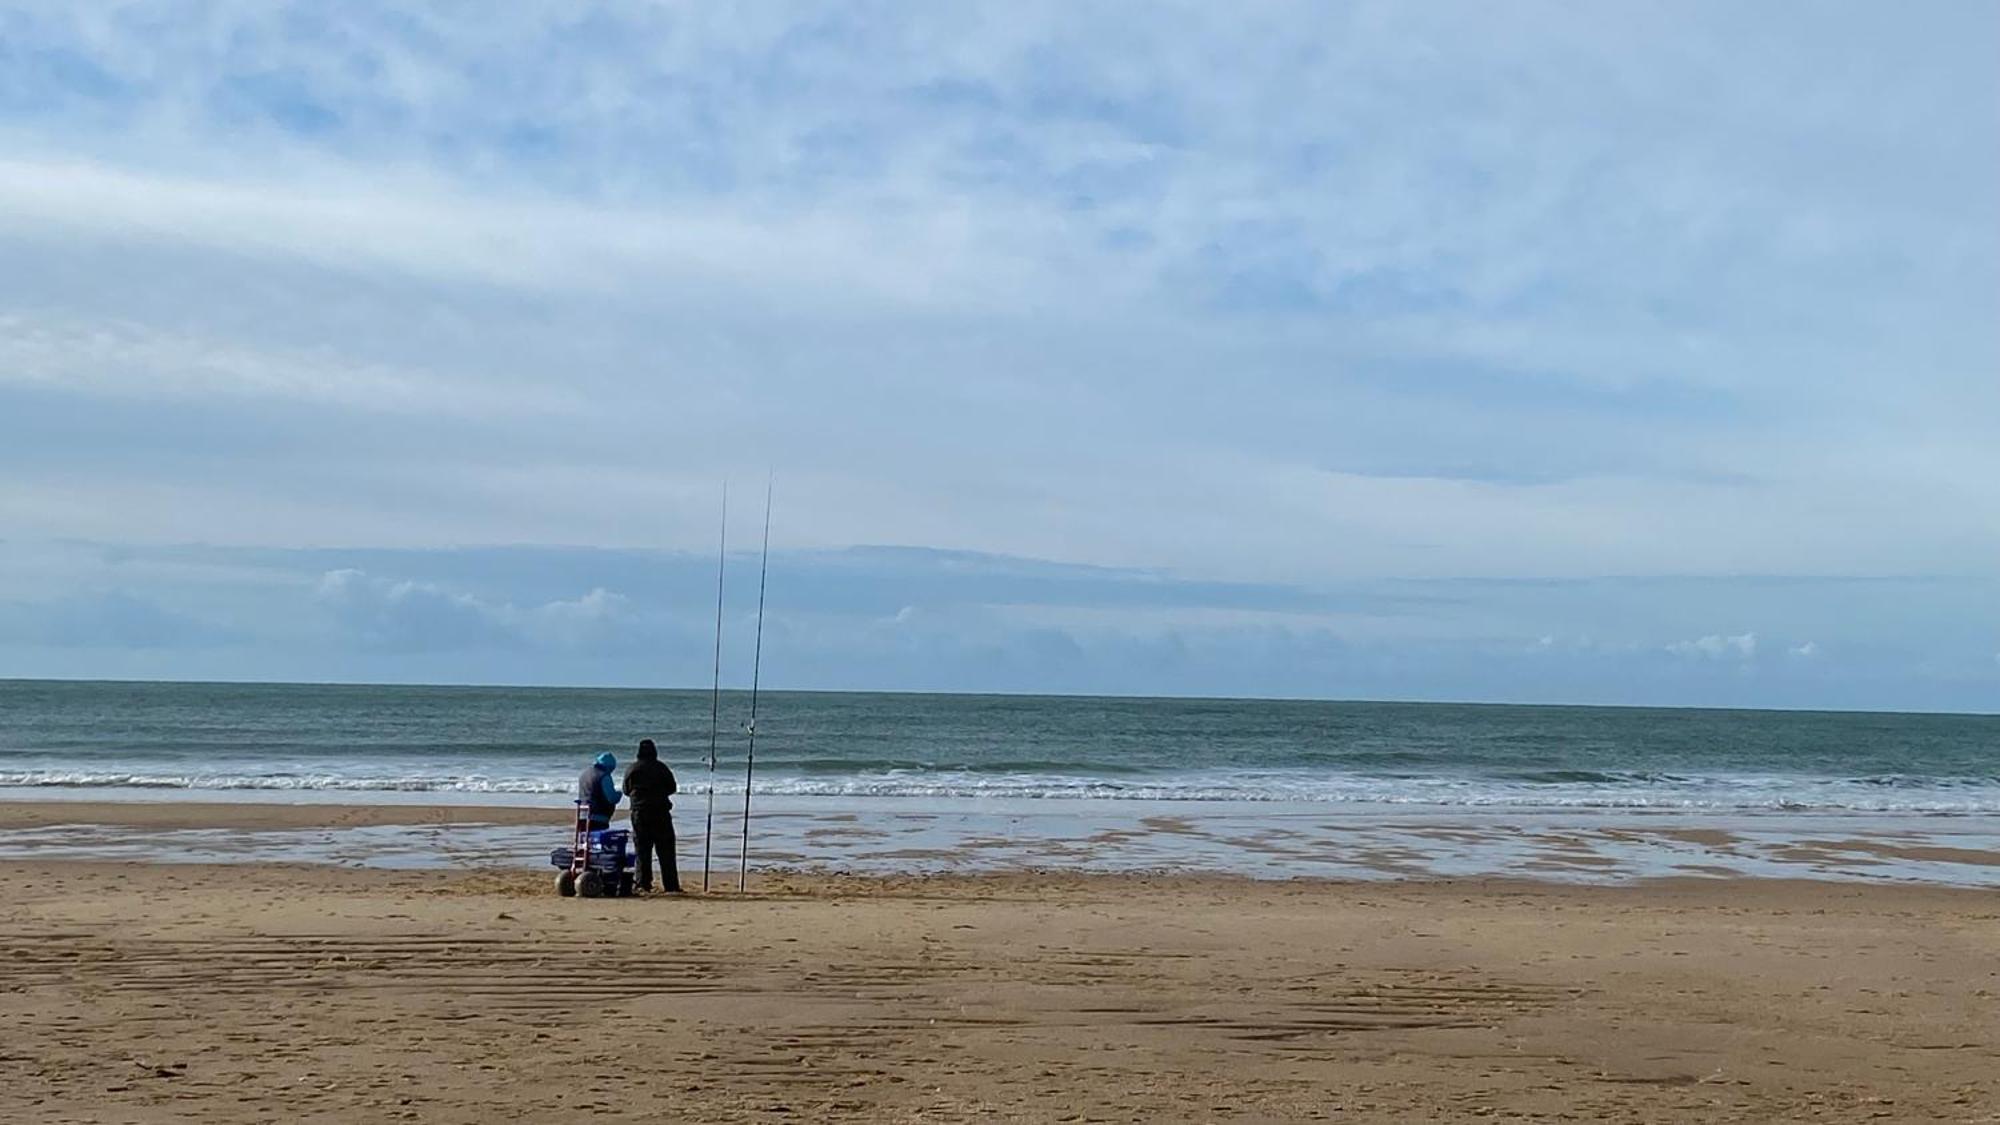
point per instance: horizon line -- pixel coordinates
(1168, 698)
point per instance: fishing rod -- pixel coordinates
(756, 669)
(715, 691)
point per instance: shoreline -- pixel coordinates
(929, 838)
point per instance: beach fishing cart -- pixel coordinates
(597, 863)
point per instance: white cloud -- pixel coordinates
(410, 615)
(596, 619)
(1715, 646)
(110, 357)
(1806, 650)
(403, 615)
(343, 219)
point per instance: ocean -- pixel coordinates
(460, 742)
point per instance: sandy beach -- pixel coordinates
(252, 992)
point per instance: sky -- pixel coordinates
(1542, 352)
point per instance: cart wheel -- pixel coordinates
(590, 884)
(566, 885)
(625, 885)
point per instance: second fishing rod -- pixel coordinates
(756, 674)
(715, 696)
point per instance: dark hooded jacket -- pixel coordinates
(651, 785)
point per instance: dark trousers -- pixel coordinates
(656, 834)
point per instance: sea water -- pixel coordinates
(363, 740)
(875, 782)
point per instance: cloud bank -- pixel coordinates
(922, 620)
(1289, 302)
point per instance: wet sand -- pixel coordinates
(264, 815)
(261, 992)
(1121, 837)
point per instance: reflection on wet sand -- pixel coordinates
(1266, 841)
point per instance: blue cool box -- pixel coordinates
(607, 850)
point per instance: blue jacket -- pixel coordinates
(597, 786)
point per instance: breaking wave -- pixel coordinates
(1573, 789)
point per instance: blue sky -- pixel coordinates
(1609, 353)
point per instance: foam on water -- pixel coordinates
(1746, 792)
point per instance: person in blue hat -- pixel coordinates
(599, 786)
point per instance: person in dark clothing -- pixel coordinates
(651, 785)
(598, 785)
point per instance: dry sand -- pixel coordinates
(261, 992)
